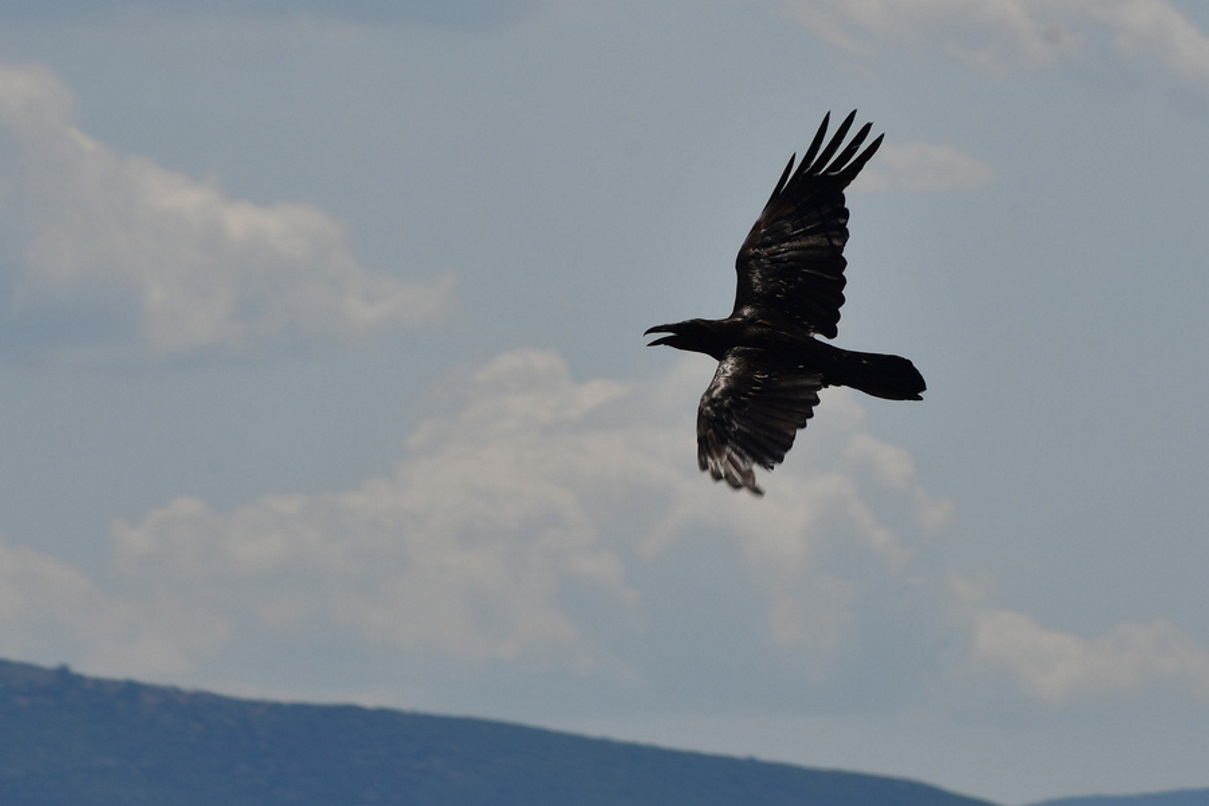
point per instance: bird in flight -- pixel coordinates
(790, 287)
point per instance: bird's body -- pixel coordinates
(790, 287)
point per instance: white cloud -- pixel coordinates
(51, 610)
(1002, 35)
(470, 551)
(893, 468)
(1056, 666)
(133, 259)
(43, 601)
(1154, 29)
(561, 527)
(993, 35)
(517, 529)
(925, 167)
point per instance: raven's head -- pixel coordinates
(692, 334)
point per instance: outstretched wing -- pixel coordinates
(751, 413)
(791, 267)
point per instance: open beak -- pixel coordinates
(658, 329)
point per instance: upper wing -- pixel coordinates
(791, 267)
(750, 414)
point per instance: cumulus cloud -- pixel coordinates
(1056, 666)
(925, 167)
(117, 256)
(560, 527)
(45, 603)
(52, 610)
(1002, 35)
(992, 35)
(536, 524)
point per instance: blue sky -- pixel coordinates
(320, 338)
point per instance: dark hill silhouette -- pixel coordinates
(66, 739)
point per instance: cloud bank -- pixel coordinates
(111, 256)
(926, 168)
(1004, 35)
(1058, 667)
(559, 527)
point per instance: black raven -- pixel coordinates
(791, 286)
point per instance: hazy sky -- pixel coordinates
(322, 372)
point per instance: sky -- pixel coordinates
(323, 376)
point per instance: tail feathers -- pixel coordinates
(886, 376)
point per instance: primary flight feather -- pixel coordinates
(790, 287)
